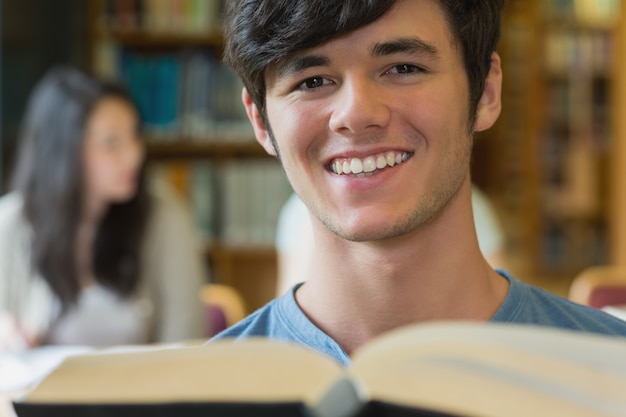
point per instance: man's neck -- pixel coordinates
(361, 290)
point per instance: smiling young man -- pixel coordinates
(371, 107)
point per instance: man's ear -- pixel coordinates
(490, 103)
(260, 130)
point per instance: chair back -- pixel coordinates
(599, 286)
(223, 305)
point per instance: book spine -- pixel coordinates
(251, 194)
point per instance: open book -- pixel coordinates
(445, 369)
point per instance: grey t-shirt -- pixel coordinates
(282, 319)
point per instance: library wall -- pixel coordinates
(559, 131)
(618, 171)
(551, 165)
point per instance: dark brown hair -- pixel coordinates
(261, 32)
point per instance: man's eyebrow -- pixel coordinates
(413, 46)
(295, 64)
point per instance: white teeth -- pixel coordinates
(368, 165)
(356, 166)
(381, 162)
(391, 159)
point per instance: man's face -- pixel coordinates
(373, 127)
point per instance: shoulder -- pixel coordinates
(527, 304)
(169, 214)
(282, 319)
(164, 200)
(11, 218)
(170, 239)
(11, 205)
(265, 322)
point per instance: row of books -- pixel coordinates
(162, 16)
(568, 144)
(579, 109)
(575, 131)
(181, 95)
(587, 52)
(573, 246)
(571, 177)
(516, 46)
(593, 12)
(235, 203)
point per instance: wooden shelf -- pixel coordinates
(570, 22)
(618, 167)
(217, 251)
(159, 40)
(191, 149)
(559, 127)
(252, 270)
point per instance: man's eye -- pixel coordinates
(314, 82)
(405, 69)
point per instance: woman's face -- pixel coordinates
(113, 151)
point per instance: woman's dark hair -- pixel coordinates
(49, 177)
(261, 32)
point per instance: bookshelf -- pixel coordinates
(618, 168)
(197, 134)
(191, 149)
(559, 132)
(552, 163)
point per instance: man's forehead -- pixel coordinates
(412, 41)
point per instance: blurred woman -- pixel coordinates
(89, 254)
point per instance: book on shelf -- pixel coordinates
(236, 202)
(567, 52)
(441, 369)
(195, 182)
(251, 194)
(203, 185)
(162, 16)
(186, 94)
(591, 13)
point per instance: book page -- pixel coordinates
(224, 371)
(496, 370)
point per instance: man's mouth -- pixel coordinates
(367, 166)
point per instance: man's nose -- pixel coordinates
(361, 105)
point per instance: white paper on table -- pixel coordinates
(616, 311)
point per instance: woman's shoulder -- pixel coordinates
(164, 199)
(11, 201)
(14, 229)
(11, 212)
(169, 211)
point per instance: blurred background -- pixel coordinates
(553, 167)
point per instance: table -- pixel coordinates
(618, 311)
